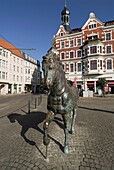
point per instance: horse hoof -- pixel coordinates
(66, 150)
(71, 132)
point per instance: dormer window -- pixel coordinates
(61, 33)
(92, 25)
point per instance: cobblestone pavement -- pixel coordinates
(91, 147)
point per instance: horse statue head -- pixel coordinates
(50, 65)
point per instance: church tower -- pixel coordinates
(65, 17)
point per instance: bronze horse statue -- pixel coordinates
(62, 99)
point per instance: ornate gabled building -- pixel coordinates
(87, 53)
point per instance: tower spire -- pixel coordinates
(65, 16)
(65, 3)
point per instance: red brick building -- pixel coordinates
(87, 53)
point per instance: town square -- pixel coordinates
(91, 147)
(57, 85)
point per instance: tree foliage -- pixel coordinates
(102, 84)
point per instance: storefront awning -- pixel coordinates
(111, 83)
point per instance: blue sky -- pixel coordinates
(33, 23)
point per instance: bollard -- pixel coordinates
(38, 100)
(35, 103)
(28, 106)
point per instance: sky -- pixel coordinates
(33, 23)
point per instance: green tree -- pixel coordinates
(102, 84)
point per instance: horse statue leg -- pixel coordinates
(49, 118)
(66, 125)
(73, 120)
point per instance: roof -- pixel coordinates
(108, 23)
(14, 50)
(75, 30)
(65, 11)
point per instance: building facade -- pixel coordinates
(14, 70)
(87, 53)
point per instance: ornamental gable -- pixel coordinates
(61, 31)
(92, 23)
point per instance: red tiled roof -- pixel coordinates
(14, 50)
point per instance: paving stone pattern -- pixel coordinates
(91, 147)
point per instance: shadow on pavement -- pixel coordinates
(99, 110)
(32, 120)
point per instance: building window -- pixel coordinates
(101, 63)
(63, 66)
(62, 44)
(86, 51)
(0, 74)
(92, 26)
(14, 58)
(0, 51)
(79, 67)
(71, 67)
(100, 49)
(13, 67)
(17, 78)
(21, 62)
(17, 69)
(21, 70)
(93, 65)
(3, 75)
(108, 36)
(79, 41)
(109, 64)
(79, 53)
(0, 62)
(18, 60)
(62, 56)
(13, 77)
(28, 71)
(3, 63)
(3, 53)
(71, 43)
(71, 54)
(108, 49)
(21, 78)
(61, 34)
(93, 49)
